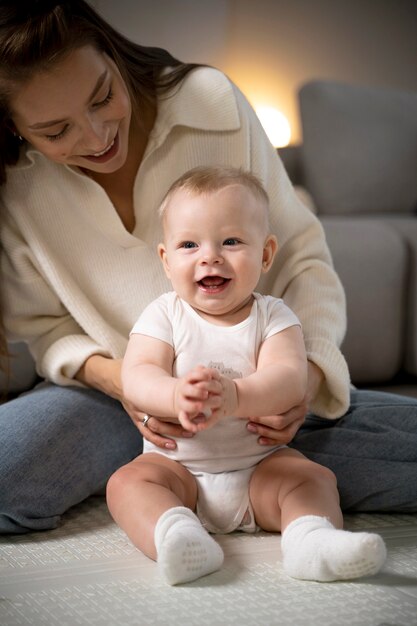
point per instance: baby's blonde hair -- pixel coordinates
(208, 179)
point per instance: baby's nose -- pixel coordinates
(211, 255)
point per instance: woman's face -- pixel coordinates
(77, 113)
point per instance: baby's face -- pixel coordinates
(216, 246)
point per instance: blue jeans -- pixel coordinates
(372, 450)
(59, 445)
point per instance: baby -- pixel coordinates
(212, 353)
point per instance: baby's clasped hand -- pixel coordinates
(198, 397)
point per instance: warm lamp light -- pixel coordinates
(275, 125)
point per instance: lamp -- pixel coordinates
(275, 125)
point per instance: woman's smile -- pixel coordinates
(108, 153)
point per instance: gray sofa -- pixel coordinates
(358, 167)
(358, 163)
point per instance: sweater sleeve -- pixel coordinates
(302, 273)
(34, 314)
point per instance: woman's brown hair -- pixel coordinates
(35, 34)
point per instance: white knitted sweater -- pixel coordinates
(75, 281)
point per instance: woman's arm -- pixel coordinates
(102, 373)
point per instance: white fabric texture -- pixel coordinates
(221, 458)
(223, 503)
(313, 549)
(75, 280)
(233, 350)
(185, 551)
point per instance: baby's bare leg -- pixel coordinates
(286, 486)
(292, 494)
(141, 491)
(152, 499)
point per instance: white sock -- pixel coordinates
(313, 549)
(185, 549)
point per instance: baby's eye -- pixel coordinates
(231, 241)
(188, 245)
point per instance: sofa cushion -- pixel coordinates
(359, 147)
(407, 228)
(372, 262)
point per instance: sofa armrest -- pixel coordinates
(372, 262)
(291, 158)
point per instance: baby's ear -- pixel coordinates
(164, 258)
(269, 252)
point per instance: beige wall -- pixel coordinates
(270, 47)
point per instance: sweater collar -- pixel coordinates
(205, 100)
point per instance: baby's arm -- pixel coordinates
(148, 383)
(197, 398)
(280, 380)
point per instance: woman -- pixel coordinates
(93, 130)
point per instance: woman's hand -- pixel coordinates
(281, 429)
(104, 374)
(156, 430)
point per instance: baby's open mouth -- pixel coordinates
(213, 282)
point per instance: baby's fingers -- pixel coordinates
(201, 372)
(213, 387)
(188, 423)
(196, 392)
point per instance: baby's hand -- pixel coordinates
(197, 398)
(229, 401)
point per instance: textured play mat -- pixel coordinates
(86, 572)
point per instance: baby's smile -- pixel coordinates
(213, 283)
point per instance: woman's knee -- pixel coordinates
(58, 446)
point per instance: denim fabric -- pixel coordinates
(372, 450)
(58, 445)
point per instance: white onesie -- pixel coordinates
(221, 458)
